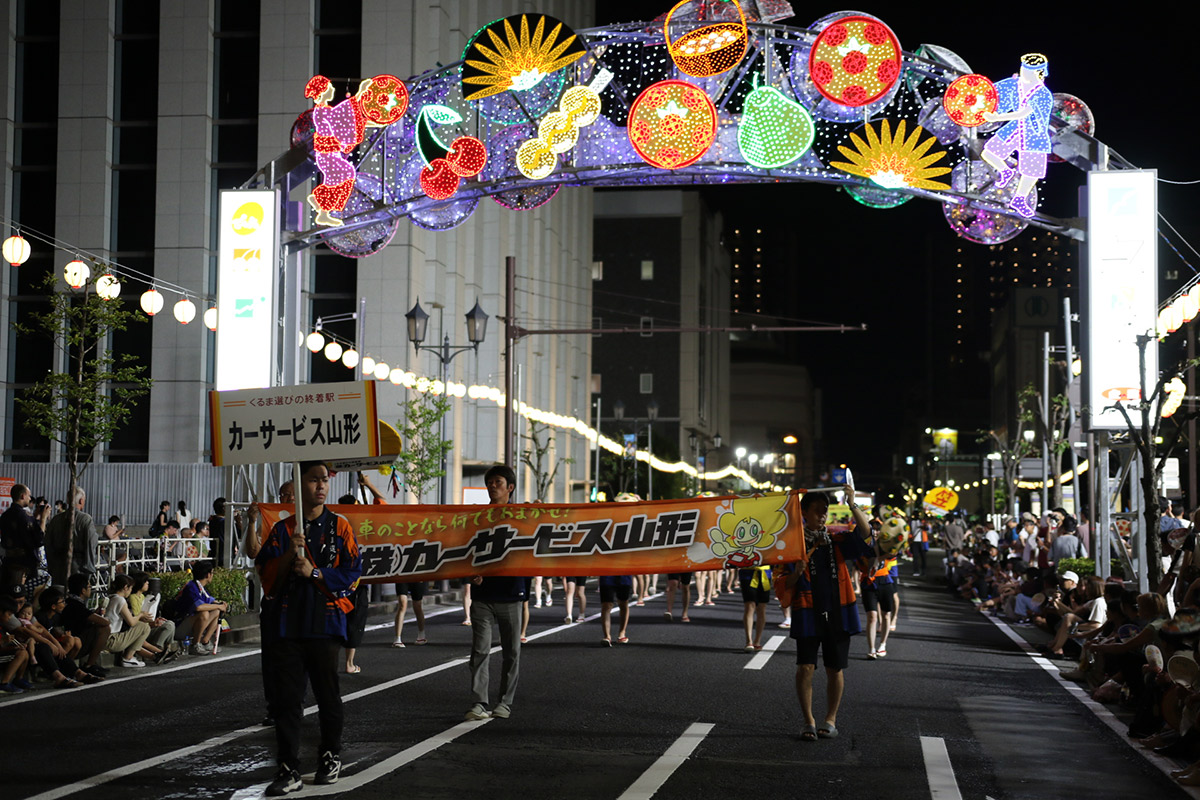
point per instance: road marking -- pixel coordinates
(1164, 765)
(763, 656)
(938, 770)
(662, 769)
(225, 738)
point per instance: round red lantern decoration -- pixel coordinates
(969, 98)
(671, 124)
(383, 99)
(855, 61)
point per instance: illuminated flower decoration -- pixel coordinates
(894, 162)
(672, 124)
(507, 55)
(855, 61)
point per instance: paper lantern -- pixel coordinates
(333, 351)
(1191, 303)
(350, 359)
(672, 124)
(855, 61)
(185, 311)
(108, 287)
(152, 301)
(969, 98)
(710, 50)
(210, 318)
(383, 99)
(368, 365)
(16, 250)
(396, 376)
(1164, 322)
(314, 341)
(382, 370)
(76, 274)
(516, 53)
(893, 162)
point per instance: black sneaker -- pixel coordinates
(97, 670)
(268, 722)
(286, 780)
(330, 769)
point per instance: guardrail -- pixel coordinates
(127, 556)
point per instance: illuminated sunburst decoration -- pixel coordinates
(506, 55)
(894, 162)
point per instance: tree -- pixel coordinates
(539, 459)
(1054, 431)
(92, 397)
(1011, 450)
(420, 460)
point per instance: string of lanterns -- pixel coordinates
(335, 348)
(76, 274)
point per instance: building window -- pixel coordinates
(646, 383)
(647, 270)
(597, 270)
(597, 382)
(647, 326)
(597, 323)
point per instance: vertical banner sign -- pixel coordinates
(316, 421)
(248, 249)
(1121, 291)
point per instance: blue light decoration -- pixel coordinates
(769, 118)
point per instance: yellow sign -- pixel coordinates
(940, 501)
(945, 441)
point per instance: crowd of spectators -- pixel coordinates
(70, 592)
(1135, 650)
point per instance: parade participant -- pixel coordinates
(674, 581)
(919, 547)
(404, 592)
(615, 588)
(824, 608)
(308, 575)
(878, 593)
(576, 591)
(893, 590)
(497, 600)
(756, 594)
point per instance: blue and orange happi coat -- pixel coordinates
(847, 546)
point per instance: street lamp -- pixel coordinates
(418, 321)
(651, 415)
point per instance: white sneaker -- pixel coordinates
(549, 600)
(132, 662)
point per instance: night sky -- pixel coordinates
(1139, 75)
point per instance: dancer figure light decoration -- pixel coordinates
(1025, 104)
(894, 162)
(380, 101)
(505, 55)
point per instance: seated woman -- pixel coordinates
(128, 634)
(1124, 660)
(162, 630)
(1083, 620)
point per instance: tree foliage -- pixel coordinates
(1054, 431)
(420, 460)
(541, 459)
(91, 398)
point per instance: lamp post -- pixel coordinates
(651, 415)
(418, 321)
(702, 453)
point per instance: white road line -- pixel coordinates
(199, 661)
(1164, 765)
(938, 770)
(225, 738)
(763, 656)
(662, 769)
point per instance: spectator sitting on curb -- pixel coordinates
(202, 611)
(49, 654)
(92, 629)
(49, 614)
(14, 650)
(128, 634)
(161, 642)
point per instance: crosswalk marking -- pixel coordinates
(658, 773)
(938, 770)
(763, 656)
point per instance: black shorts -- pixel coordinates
(834, 647)
(414, 590)
(613, 594)
(684, 578)
(879, 597)
(581, 581)
(887, 597)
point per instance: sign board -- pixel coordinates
(945, 441)
(475, 496)
(940, 501)
(1170, 477)
(247, 252)
(1120, 289)
(6, 487)
(325, 421)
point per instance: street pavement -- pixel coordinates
(957, 709)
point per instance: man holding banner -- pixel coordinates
(308, 577)
(496, 599)
(824, 607)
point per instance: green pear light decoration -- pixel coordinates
(775, 130)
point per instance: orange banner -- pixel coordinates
(421, 543)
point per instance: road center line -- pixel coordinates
(1163, 764)
(938, 770)
(763, 656)
(662, 769)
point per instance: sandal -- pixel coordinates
(397, 643)
(667, 616)
(827, 731)
(808, 733)
(749, 648)
(623, 640)
(353, 670)
(606, 642)
(421, 639)
(68, 683)
(685, 618)
(524, 639)
(466, 622)
(758, 647)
